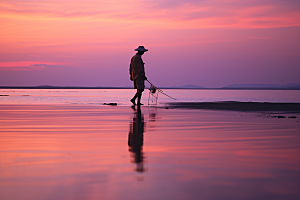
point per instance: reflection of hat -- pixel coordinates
(141, 48)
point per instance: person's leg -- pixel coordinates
(139, 96)
(134, 98)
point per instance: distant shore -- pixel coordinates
(239, 106)
(171, 88)
(59, 87)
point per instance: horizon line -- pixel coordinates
(117, 87)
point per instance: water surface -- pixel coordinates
(122, 96)
(95, 152)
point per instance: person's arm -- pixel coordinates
(140, 65)
(130, 72)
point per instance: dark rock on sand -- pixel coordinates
(110, 104)
(279, 116)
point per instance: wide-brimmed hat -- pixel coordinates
(141, 48)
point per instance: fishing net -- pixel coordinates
(153, 95)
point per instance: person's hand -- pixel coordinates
(145, 78)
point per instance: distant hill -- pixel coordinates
(189, 86)
(273, 86)
(46, 86)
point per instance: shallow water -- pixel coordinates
(95, 152)
(122, 96)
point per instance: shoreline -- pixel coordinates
(167, 88)
(239, 106)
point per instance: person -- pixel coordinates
(137, 74)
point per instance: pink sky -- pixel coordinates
(210, 43)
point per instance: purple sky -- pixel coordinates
(210, 43)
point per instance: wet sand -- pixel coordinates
(111, 152)
(239, 106)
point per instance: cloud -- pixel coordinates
(26, 65)
(178, 14)
(40, 65)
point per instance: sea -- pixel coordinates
(122, 96)
(58, 144)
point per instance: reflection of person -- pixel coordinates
(137, 74)
(136, 138)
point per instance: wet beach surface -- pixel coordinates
(117, 152)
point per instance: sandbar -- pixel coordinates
(239, 106)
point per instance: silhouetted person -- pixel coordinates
(137, 74)
(136, 138)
